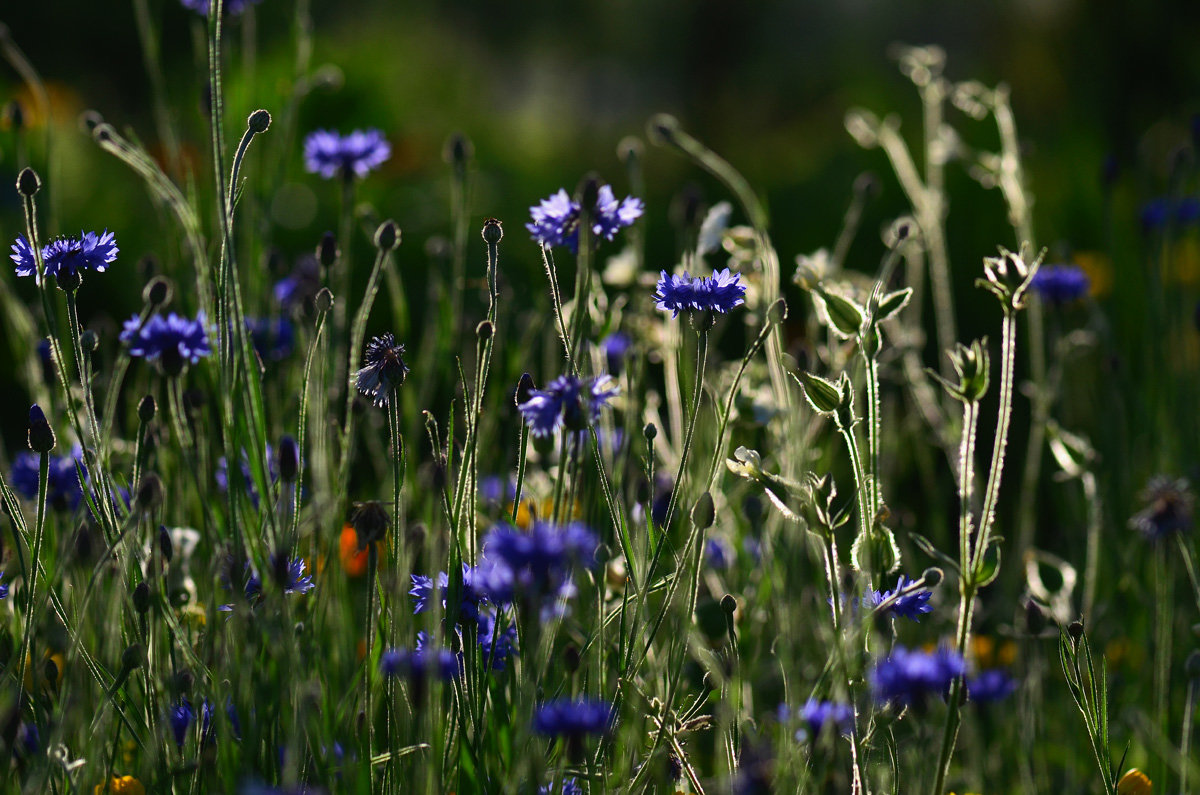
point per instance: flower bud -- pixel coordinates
(932, 577)
(89, 341)
(571, 658)
(323, 300)
(525, 388)
(157, 291)
(141, 597)
(147, 408)
(662, 129)
(150, 492)
(823, 395)
(703, 512)
(387, 236)
(650, 431)
(485, 330)
(40, 435)
(729, 604)
(492, 232)
(165, 545)
(28, 182)
(133, 657)
(327, 250)
(259, 121)
(1075, 630)
(289, 459)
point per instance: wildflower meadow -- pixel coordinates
(591, 486)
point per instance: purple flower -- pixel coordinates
(1061, 284)
(419, 664)
(567, 401)
(720, 292)
(327, 153)
(273, 338)
(570, 718)
(294, 579)
(222, 474)
(1168, 508)
(616, 347)
(67, 255)
(911, 605)
(383, 370)
(180, 716)
(234, 7)
(3, 587)
(169, 341)
(64, 491)
(717, 553)
(991, 685)
(536, 564)
(570, 786)
(910, 676)
(816, 715)
(300, 286)
(494, 645)
(555, 221)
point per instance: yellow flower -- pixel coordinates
(121, 785)
(40, 673)
(1134, 782)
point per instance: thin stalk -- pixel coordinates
(556, 300)
(303, 424)
(26, 655)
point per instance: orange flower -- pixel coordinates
(354, 560)
(1134, 782)
(121, 785)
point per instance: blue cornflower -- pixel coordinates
(494, 489)
(616, 347)
(67, 256)
(1162, 210)
(180, 716)
(1061, 284)
(556, 219)
(64, 491)
(535, 564)
(911, 605)
(420, 664)
(570, 718)
(3, 587)
(720, 292)
(222, 473)
(567, 401)
(493, 645)
(991, 685)
(234, 7)
(273, 338)
(383, 370)
(1168, 510)
(717, 553)
(910, 676)
(300, 286)
(816, 715)
(328, 153)
(472, 595)
(170, 341)
(570, 786)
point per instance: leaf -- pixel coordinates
(845, 316)
(926, 546)
(891, 304)
(989, 567)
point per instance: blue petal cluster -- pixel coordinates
(567, 401)
(296, 580)
(816, 715)
(616, 348)
(911, 676)
(475, 608)
(1163, 210)
(180, 717)
(420, 664)
(991, 685)
(1061, 284)
(300, 286)
(64, 491)
(572, 718)
(535, 565)
(912, 605)
(234, 7)
(570, 786)
(3, 587)
(273, 338)
(328, 153)
(67, 255)
(720, 292)
(556, 219)
(169, 340)
(717, 553)
(383, 369)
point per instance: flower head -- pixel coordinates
(170, 341)
(1168, 508)
(234, 7)
(273, 338)
(534, 564)
(911, 605)
(616, 347)
(420, 664)
(64, 490)
(300, 286)
(910, 676)
(180, 717)
(570, 718)
(3, 587)
(555, 221)
(1061, 284)
(816, 715)
(328, 153)
(567, 401)
(570, 786)
(991, 685)
(67, 256)
(383, 371)
(720, 292)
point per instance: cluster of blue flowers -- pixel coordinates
(169, 341)
(910, 677)
(420, 664)
(495, 633)
(273, 338)
(536, 565)
(573, 718)
(556, 219)
(329, 154)
(567, 402)
(720, 292)
(1061, 284)
(3, 587)
(67, 256)
(816, 715)
(911, 605)
(1164, 210)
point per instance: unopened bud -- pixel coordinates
(289, 459)
(165, 545)
(327, 250)
(704, 512)
(259, 121)
(141, 597)
(28, 182)
(1075, 630)
(89, 341)
(485, 330)
(650, 431)
(157, 291)
(40, 435)
(323, 300)
(16, 115)
(662, 129)
(133, 657)
(150, 492)
(525, 388)
(458, 151)
(932, 577)
(492, 232)
(571, 658)
(147, 408)
(387, 236)
(729, 604)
